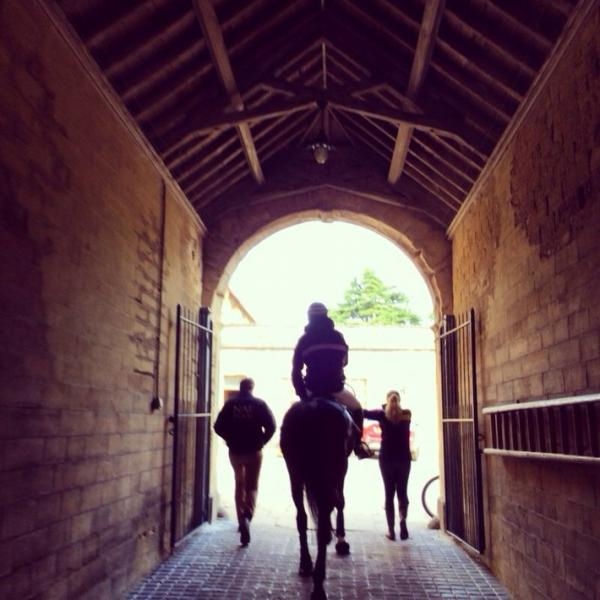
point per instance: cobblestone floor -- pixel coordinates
(211, 565)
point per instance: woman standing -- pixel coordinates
(394, 458)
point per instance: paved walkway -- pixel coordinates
(211, 564)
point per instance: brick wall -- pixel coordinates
(84, 474)
(527, 258)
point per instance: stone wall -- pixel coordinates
(84, 462)
(232, 234)
(526, 257)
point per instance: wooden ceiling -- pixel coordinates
(232, 93)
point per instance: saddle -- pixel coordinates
(353, 422)
(320, 402)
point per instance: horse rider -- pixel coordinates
(323, 353)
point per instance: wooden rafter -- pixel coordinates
(285, 87)
(365, 133)
(432, 16)
(198, 174)
(424, 145)
(444, 126)
(145, 52)
(265, 111)
(207, 18)
(427, 183)
(428, 122)
(205, 124)
(193, 147)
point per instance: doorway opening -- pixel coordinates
(264, 314)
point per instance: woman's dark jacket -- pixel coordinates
(395, 437)
(325, 353)
(245, 423)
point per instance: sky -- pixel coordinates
(316, 262)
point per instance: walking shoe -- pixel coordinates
(361, 451)
(403, 531)
(244, 532)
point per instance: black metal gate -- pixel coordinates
(191, 504)
(462, 455)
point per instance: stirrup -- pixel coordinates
(362, 450)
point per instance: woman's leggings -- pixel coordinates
(395, 482)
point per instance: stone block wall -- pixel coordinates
(232, 234)
(84, 462)
(527, 258)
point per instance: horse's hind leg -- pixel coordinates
(323, 539)
(306, 565)
(342, 547)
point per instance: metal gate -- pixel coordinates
(462, 455)
(191, 504)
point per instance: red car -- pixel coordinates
(372, 437)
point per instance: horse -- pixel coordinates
(316, 440)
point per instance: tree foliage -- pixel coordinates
(371, 302)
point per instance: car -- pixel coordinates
(372, 437)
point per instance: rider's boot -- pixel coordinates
(361, 450)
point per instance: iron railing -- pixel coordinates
(190, 500)
(462, 456)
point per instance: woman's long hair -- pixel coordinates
(393, 410)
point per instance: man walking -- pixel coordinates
(246, 424)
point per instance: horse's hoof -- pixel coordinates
(342, 548)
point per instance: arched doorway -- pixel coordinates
(231, 234)
(381, 358)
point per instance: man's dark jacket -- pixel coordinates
(246, 424)
(324, 351)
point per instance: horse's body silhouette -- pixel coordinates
(316, 439)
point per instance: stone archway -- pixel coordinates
(234, 233)
(230, 237)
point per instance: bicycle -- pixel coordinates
(424, 496)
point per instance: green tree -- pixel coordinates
(371, 302)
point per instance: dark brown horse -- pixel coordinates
(316, 439)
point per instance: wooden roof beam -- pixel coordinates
(226, 181)
(267, 110)
(213, 35)
(432, 15)
(195, 170)
(442, 125)
(364, 132)
(432, 187)
(445, 126)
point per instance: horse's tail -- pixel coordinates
(321, 496)
(323, 484)
(313, 504)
